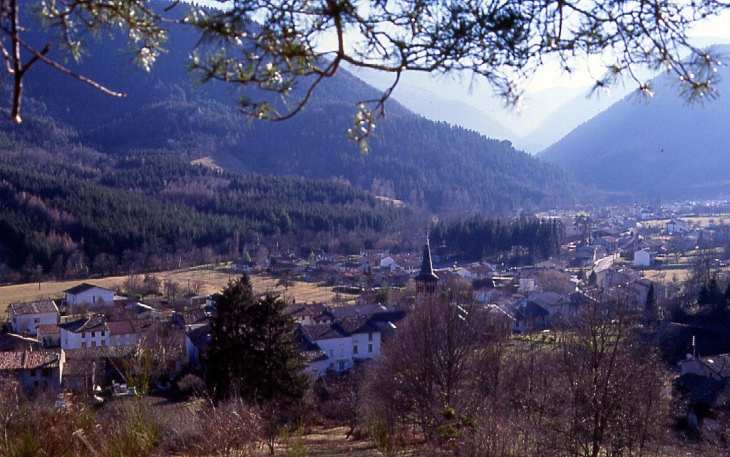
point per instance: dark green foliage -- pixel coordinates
(156, 205)
(524, 240)
(712, 298)
(252, 353)
(650, 304)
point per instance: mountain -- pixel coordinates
(662, 148)
(444, 169)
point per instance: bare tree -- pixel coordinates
(434, 373)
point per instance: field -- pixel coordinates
(208, 280)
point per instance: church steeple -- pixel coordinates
(426, 280)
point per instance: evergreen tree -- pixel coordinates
(593, 278)
(252, 351)
(650, 304)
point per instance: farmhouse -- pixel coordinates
(26, 317)
(89, 295)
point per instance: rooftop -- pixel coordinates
(34, 307)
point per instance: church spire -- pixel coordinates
(426, 280)
(427, 273)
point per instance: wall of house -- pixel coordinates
(318, 368)
(52, 340)
(29, 322)
(338, 351)
(73, 340)
(365, 345)
(126, 339)
(40, 379)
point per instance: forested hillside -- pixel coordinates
(431, 165)
(75, 211)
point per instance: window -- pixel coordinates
(341, 365)
(83, 334)
(36, 320)
(102, 333)
(103, 343)
(46, 372)
(32, 373)
(93, 344)
(93, 334)
(370, 348)
(354, 349)
(83, 344)
(332, 352)
(370, 336)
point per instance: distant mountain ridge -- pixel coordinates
(663, 148)
(444, 169)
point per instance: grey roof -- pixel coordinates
(29, 360)
(200, 337)
(92, 324)
(34, 307)
(353, 311)
(83, 287)
(527, 309)
(325, 331)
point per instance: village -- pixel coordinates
(88, 341)
(606, 254)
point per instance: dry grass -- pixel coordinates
(327, 442)
(209, 279)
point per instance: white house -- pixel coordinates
(343, 343)
(386, 262)
(335, 342)
(26, 317)
(85, 333)
(90, 295)
(642, 258)
(127, 332)
(675, 226)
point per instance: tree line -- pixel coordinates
(522, 241)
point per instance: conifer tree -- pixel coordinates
(252, 352)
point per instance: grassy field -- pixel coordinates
(208, 279)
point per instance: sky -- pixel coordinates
(554, 102)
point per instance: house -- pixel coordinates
(314, 357)
(190, 320)
(715, 367)
(642, 258)
(552, 302)
(334, 341)
(529, 316)
(85, 333)
(89, 295)
(34, 370)
(99, 366)
(676, 226)
(244, 265)
(316, 313)
(196, 344)
(355, 335)
(26, 317)
(49, 335)
(127, 332)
